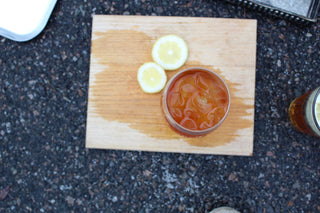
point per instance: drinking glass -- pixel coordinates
(304, 112)
(195, 101)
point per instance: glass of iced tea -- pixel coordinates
(304, 112)
(195, 101)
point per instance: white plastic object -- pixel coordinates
(22, 20)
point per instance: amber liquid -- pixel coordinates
(197, 100)
(297, 114)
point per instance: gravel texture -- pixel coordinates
(45, 167)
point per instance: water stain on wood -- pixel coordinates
(116, 95)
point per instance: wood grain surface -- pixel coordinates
(120, 116)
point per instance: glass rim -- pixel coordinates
(170, 119)
(314, 109)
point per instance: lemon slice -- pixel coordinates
(170, 52)
(151, 77)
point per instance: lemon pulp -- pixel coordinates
(151, 77)
(169, 52)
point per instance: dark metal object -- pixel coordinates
(296, 10)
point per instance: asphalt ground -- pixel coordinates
(45, 167)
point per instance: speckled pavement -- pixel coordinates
(45, 167)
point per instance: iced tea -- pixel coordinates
(304, 112)
(195, 101)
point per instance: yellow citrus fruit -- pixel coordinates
(170, 52)
(151, 77)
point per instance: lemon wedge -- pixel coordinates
(151, 77)
(170, 52)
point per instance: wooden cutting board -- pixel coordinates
(120, 116)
